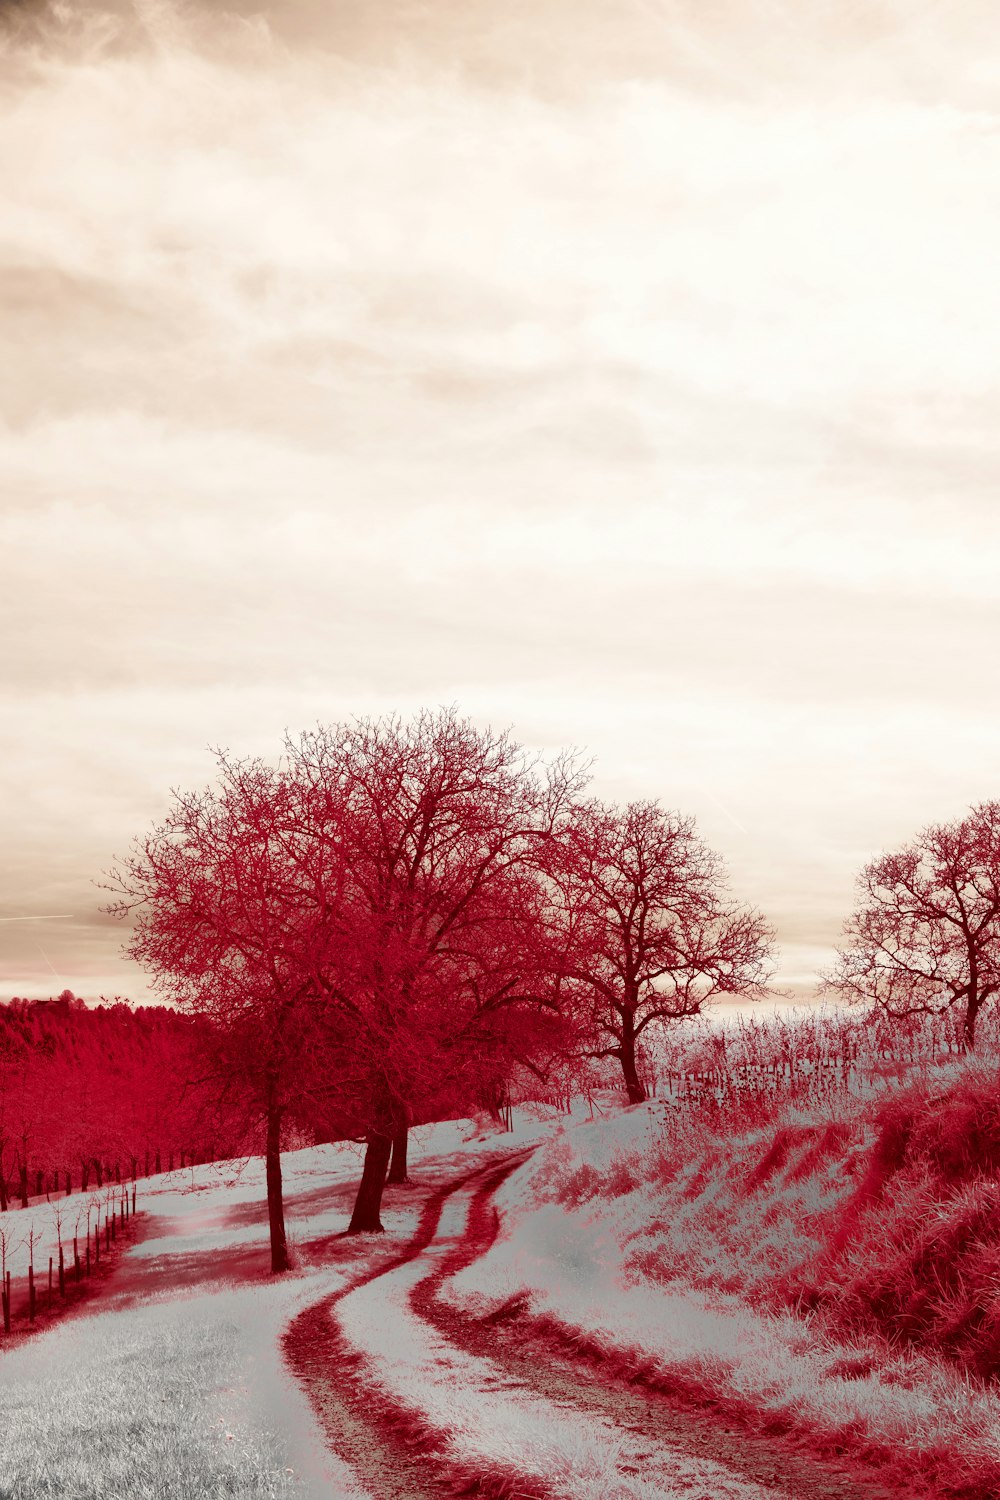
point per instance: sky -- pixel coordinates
(621, 371)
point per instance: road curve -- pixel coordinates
(568, 1368)
(393, 1453)
(398, 1454)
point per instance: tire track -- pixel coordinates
(395, 1455)
(573, 1371)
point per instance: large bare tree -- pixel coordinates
(925, 935)
(426, 831)
(651, 934)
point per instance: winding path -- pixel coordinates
(523, 1377)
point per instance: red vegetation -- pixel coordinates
(916, 1257)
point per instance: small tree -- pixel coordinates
(650, 934)
(925, 935)
(8, 1247)
(57, 1220)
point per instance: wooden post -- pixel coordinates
(76, 1259)
(88, 1255)
(109, 1227)
(5, 1290)
(31, 1292)
(133, 1197)
(97, 1242)
(50, 1282)
(62, 1274)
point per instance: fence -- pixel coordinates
(118, 1211)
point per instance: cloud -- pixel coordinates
(622, 371)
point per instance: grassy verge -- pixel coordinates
(831, 1271)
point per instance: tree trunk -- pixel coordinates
(23, 1174)
(368, 1203)
(397, 1163)
(636, 1092)
(275, 1203)
(84, 1176)
(3, 1192)
(968, 1041)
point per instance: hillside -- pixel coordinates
(827, 1271)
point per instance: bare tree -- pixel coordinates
(426, 832)
(925, 935)
(650, 934)
(218, 922)
(8, 1247)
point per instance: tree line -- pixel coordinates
(98, 1094)
(401, 914)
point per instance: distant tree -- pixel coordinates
(650, 933)
(925, 935)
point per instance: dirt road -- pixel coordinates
(377, 1356)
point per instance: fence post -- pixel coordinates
(6, 1303)
(50, 1283)
(133, 1197)
(62, 1274)
(31, 1292)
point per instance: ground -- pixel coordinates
(490, 1340)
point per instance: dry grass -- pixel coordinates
(139, 1412)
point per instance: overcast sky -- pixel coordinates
(624, 371)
